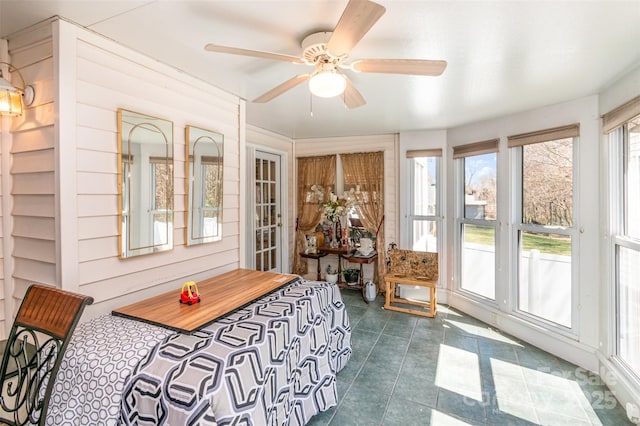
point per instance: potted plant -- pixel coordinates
(331, 274)
(351, 275)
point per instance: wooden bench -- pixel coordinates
(412, 268)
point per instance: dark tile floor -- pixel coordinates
(455, 370)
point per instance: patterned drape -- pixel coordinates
(367, 170)
(311, 170)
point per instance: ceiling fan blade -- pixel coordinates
(255, 53)
(356, 20)
(400, 66)
(280, 89)
(352, 97)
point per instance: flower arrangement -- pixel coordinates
(335, 206)
(331, 270)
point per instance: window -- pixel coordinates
(161, 201)
(477, 217)
(210, 197)
(424, 206)
(625, 149)
(544, 225)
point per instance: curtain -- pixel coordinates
(367, 170)
(311, 170)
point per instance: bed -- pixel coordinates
(272, 362)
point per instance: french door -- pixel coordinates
(268, 212)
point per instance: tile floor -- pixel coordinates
(455, 370)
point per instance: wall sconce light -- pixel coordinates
(14, 98)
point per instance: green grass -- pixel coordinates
(530, 241)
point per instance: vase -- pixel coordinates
(344, 225)
(334, 237)
(332, 278)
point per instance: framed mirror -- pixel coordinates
(145, 184)
(205, 154)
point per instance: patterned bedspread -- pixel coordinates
(100, 356)
(272, 362)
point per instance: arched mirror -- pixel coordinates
(145, 169)
(205, 154)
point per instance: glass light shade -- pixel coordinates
(327, 84)
(10, 99)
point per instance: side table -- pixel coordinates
(342, 252)
(362, 261)
(317, 257)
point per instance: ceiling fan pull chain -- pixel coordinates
(310, 104)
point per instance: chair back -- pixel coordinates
(415, 263)
(34, 350)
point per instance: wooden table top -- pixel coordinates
(218, 296)
(358, 259)
(314, 255)
(341, 250)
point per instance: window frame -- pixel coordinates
(437, 216)
(518, 227)
(618, 146)
(461, 220)
(152, 210)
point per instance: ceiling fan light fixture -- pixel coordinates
(327, 84)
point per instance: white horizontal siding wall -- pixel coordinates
(65, 185)
(109, 77)
(30, 174)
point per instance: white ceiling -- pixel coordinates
(503, 56)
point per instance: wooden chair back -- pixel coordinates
(34, 350)
(414, 263)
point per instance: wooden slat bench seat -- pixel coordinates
(392, 280)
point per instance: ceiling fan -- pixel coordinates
(328, 52)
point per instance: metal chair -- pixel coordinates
(34, 350)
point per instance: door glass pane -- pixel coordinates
(547, 183)
(267, 212)
(480, 187)
(478, 259)
(629, 306)
(545, 276)
(424, 236)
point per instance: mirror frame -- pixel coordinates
(128, 123)
(195, 137)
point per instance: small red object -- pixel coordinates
(189, 293)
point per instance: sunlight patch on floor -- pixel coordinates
(550, 389)
(466, 381)
(483, 331)
(441, 419)
(508, 382)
